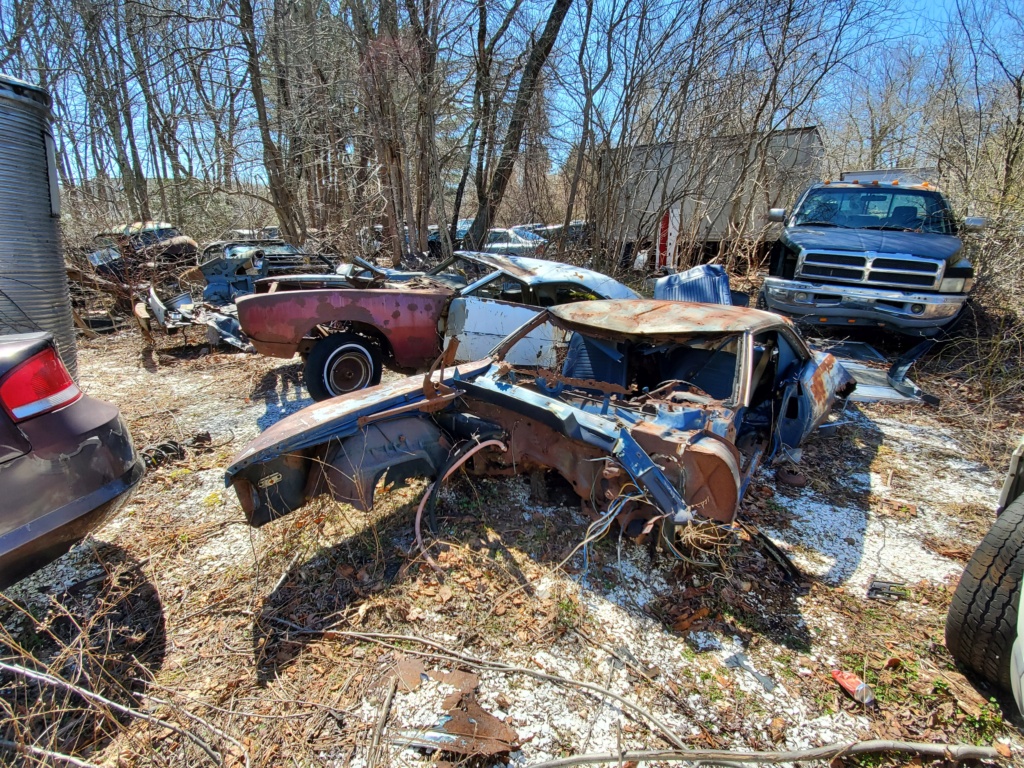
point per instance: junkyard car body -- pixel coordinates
(230, 268)
(406, 320)
(66, 459)
(131, 245)
(658, 413)
(514, 243)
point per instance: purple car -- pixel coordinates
(66, 459)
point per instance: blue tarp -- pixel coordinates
(707, 284)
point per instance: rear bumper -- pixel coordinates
(909, 312)
(81, 469)
(29, 548)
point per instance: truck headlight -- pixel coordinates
(953, 285)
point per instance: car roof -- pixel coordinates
(662, 317)
(536, 271)
(884, 186)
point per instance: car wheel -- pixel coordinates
(982, 621)
(762, 302)
(341, 363)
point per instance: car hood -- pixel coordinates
(924, 244)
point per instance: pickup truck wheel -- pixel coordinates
(982, 621)
(341, 363)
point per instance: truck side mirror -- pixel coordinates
(975, 223)
(776, 214)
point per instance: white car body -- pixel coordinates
(489, 309)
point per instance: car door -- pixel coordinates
(487, 312)
(812, 383)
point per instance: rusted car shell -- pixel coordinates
(277, 322)
(654, 456)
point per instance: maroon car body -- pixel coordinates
(278, 323)
(66, 459)
(347, 333)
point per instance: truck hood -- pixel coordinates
(924, 244)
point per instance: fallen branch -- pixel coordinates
(192, 716)
(40, 752)
(955, 752)
(385, 710)
(96, 698)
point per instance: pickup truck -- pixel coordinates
(346, 334)
(862, 252)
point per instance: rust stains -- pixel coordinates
(656, 318)
(277, 322)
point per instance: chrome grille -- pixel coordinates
(882, 270)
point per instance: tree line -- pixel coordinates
(328, 117)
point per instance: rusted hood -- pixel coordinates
(339, 416)
(660, 318)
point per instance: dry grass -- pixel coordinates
(266, 647)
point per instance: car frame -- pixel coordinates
(655, 456)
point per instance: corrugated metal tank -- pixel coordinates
(33, 283)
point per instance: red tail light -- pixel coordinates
(39, 385)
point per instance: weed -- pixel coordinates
(987, 724)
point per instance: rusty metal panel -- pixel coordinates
(338, 417)
(277, 322)
(657, 318)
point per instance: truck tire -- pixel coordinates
(982, 621)
(341, 363)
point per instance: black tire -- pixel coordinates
(762, 302)
(341, 363)
(982, 621)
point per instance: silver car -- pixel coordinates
(514, 242)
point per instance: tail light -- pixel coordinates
(39, 385)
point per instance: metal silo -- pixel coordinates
(33, 283)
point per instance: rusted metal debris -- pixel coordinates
(466, 729)
(411, 671)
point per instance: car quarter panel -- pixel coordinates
(277, 322)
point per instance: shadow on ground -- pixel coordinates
(316, 594)
(282, 393)
(104, 634)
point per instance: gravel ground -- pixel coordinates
(245, 610)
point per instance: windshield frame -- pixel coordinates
(744, 350)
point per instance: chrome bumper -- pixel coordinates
(857, 305)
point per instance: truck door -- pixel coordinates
(486, 314)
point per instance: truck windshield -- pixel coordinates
(876, 208)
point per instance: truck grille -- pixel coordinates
(891, 270)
